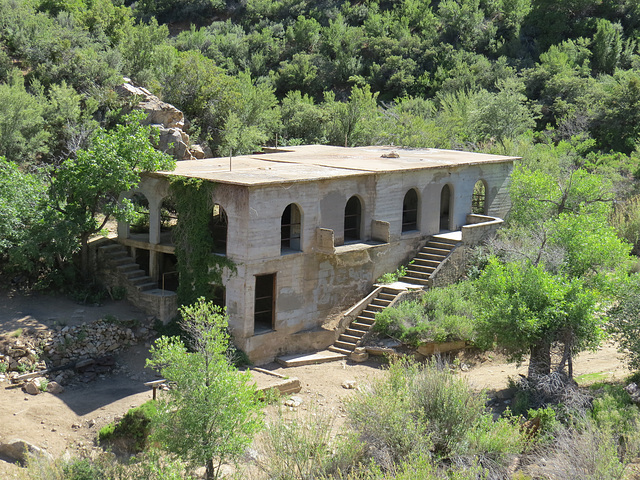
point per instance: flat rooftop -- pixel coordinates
(317, 162)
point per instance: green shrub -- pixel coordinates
(385, 418)
(301, 445)
(426, 410)
(440, 315)
(133, 430)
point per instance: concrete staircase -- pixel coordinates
(428, 259)
(125, 266)
(419, 272)
(349, 340)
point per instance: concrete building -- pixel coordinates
(311, 228)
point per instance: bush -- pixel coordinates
(132, 431)
(419, 410)
(300, 446)
(440, 315)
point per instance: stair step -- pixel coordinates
(140, 280)
(345, 345)
(430, 256)
(440, 245)
(372, 307)
(348, 338)
(147, 286)
(379, 302)
(126, 267)
(387, 296)
(131, 274)
(435, 251)
(368, 314)
(365, 327)
(417, 274)
(423, 269)
(111, 247)
(417, 281)
(353, 332)
(340, 350)
(121, 260)
(425, 263)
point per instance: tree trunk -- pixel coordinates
(540, 360)
(211, 471)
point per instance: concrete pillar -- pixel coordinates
(154, 264)
(154, 222)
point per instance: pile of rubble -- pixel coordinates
(44, 360)
(89, 340)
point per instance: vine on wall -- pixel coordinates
(199, 269)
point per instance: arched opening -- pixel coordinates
(290, 228)
(168, 220)
(352, 220)
(410, 211)
(445, 205)
(139, 226)
(478, 198)
(218, 227)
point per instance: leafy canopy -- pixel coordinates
(210, 415)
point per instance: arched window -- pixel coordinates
(168, 220)
(410, 211)
(478, 199)
(290, 228)
(140, 224)
(218, 228)
(352, 220)
(445, 205)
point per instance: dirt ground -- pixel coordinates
(69, 422)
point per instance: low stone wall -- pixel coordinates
(479, 229)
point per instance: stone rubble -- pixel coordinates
(88, 348)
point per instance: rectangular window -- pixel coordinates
(264, 308)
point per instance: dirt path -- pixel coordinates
(71, 420)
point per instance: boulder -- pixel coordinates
(55, 388)
(18, 450)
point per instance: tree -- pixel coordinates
(210, 414)
(21, 198)
(625, 320)
(86, 189)
(21, 134)
(526, 310)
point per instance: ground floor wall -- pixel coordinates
(310, 290)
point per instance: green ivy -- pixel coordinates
(199, 268)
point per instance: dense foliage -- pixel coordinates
(554, 82)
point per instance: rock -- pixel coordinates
(18, 450)
(634, 392)
(359, 356)
(55, 388)
(160, 112)
(349, 384)
(32, 388)
(76, 426)
(197, 151)
(294, 401)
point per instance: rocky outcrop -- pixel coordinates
(168, 120)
